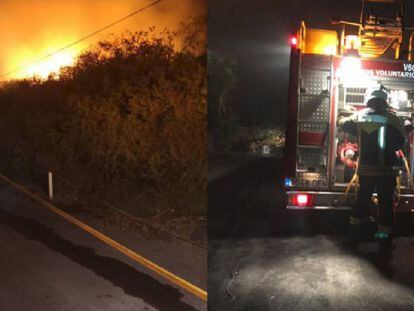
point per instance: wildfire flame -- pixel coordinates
(28, 37)
(53, 64)
(44, 67)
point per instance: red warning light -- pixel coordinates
(302, 199)
(293, 41)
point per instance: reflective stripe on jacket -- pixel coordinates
(380, 135)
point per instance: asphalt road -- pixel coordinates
(264, 257)
(49, 264)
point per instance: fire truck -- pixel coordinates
(332, 73)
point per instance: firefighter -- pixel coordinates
(380, 136)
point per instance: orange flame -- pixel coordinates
(52, 24)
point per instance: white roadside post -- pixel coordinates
(50, 179)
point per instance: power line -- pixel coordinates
(81, 39)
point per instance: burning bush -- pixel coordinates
(127, 123)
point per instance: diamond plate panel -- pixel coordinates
(310, 158)
(315, 127)
(314, 108)
(312, 61)
(315, 82)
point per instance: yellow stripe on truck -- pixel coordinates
(107, 240)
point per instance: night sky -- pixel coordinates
(255, 34)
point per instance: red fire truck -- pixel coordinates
(332, 72)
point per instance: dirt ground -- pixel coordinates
(264, 257)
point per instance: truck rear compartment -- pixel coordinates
(325, 156)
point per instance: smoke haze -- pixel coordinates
(30, 29)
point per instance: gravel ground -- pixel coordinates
(263, 257)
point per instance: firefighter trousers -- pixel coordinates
(385, 188)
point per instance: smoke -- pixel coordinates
(30, 29)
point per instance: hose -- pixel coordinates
(407, 168)
(354, 182)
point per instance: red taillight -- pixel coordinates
(302, 199)
(293, 41)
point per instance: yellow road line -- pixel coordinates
(126, 251)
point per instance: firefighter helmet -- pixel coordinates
(378, 100)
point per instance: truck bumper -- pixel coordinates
(327, 200)
(318, 200)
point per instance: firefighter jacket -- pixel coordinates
(380, 135)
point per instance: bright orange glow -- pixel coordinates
(32, 29)
(46, 66)
(329, 50)
(51, 64)
(320, 41)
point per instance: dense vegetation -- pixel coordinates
(222, 121)
(126, 123)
